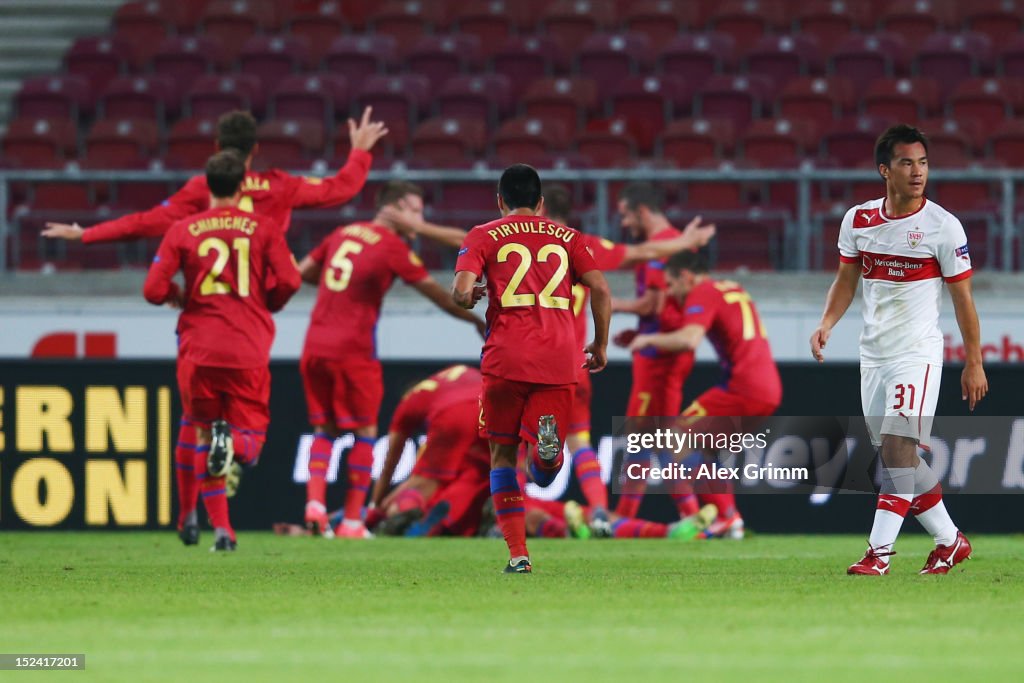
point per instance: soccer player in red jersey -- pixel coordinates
(723, 312)
(445, 406)
(272, 194)
(229, 258)
(658, 376)
(531, 351)
(354, 267)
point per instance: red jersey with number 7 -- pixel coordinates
(228, 256)
(359, 263)
(736, 332)
(531, 265)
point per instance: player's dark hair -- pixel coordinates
(237, 130)
(520, 187)
(693, 261)
(643, 194)
(394, 190)
(225, 171)
(557, 202)
(901, 134)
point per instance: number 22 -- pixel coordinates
(510, 299)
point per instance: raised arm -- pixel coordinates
(694, 236)
(840, 296)
(430, 288)
(973, 382)
(350, 179)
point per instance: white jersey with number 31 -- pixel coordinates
(903, 263)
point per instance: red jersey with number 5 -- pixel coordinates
(227, 256)
(359, 263)
(735, 330)
(531, 265)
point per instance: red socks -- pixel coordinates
(248, 445)
(638, 528)
(509, 509)
(588, 472)
(552, 527)
(360, 469)
(185, 471)
(213, 493)
(319, 459)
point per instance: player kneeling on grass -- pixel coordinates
(228, 257)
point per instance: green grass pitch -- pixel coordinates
(144, 608)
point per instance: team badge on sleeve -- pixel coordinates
(961, 252)
(914, 238)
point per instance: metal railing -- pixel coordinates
(803, 224)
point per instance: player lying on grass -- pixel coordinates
(723, 312)
(353, 269)
(237, 270)
(554, 519)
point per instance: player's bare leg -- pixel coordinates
(212, 487)
(316, 486)
(509, 505)
(359, 467)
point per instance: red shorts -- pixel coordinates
(509, 407)
(450, 437)
(467, 493)
(713, 409)
(579, 418)
(657, 385)
(346, 393)
(240, 396)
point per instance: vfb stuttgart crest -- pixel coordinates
(914, 238)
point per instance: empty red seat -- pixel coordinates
(914, 20)
(949, 139)
(399, 100)
(142, 26)
(232, 22)
(867, 58)
(689, 142)
(989, 101)
(566, 100)
(950, 59)
(747, 20)
(183, 59)
(443, 141)
(272, 58)
(40, 143)
(485, 97)
(816, 99)
(320, 97)
(963, 194)
(739, 98)
(318, 26)
(697, 57)
(359, 57)
(524, 60)
(121, 143)
(212, 95)
(54, 97)
(659, 20)
(138, 97)
(902, 99)
(782, 58)
(190, 143)
(290, 144)
(438, 58)
(406, 21)
(570, 22)
(529, 140)
(98, 60)
(722, 193)
(831, 21)
(490, 21)
(649, 103)
(1000, 20)
(610, 58)
(778, 142)
(1007, 143)
(607, 143)
(851, 142)
(755, 239)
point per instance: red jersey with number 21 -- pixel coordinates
(531, 265)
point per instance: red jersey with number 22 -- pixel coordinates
(531, 265)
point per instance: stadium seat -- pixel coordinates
(607, 143)
(688, 142)
(318, 97)
(949, 139)
(697, 57)
(66, 256)
(54, 97)
(915, 20)
(529, 140)
(190, 143)
(143, 26)
(989, 101)
(40, 143)
(484, 97)
(359, 57)
(950, 59)
(318, 27)
(608, 59)
(273, 58)
(755, 239)
(831, 21)
(490, 22)
(722, 193)
(659, 20)
(816, 99)
(850, 142)
(649, 103)
(399, 100)
(184, 59)
(524, 60)
(738, 98)
(232, 22)
(1006, 143)
(778, 142)
(443, 140)
(406, 20)
(212, 95)
(566, 100)
(438, 58)
(964, 195)
(139, 97)
(289, 144)
(570, 22)
(903, 99)
(97, 60)
(747, 20)
(782, 58)
(121, 143)
(1000, 20)
(866, 58)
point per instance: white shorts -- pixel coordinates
(899, 399)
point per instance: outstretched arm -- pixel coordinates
(431, 289)
(840, 296)
(694, 236)
(687, 338)
(973, 382)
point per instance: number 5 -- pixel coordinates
(339, 282)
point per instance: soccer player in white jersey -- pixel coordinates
(903, 247)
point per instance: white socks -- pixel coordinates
(929, 509)
(893, 502)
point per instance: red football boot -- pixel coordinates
(871, 564)
(945, 557)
